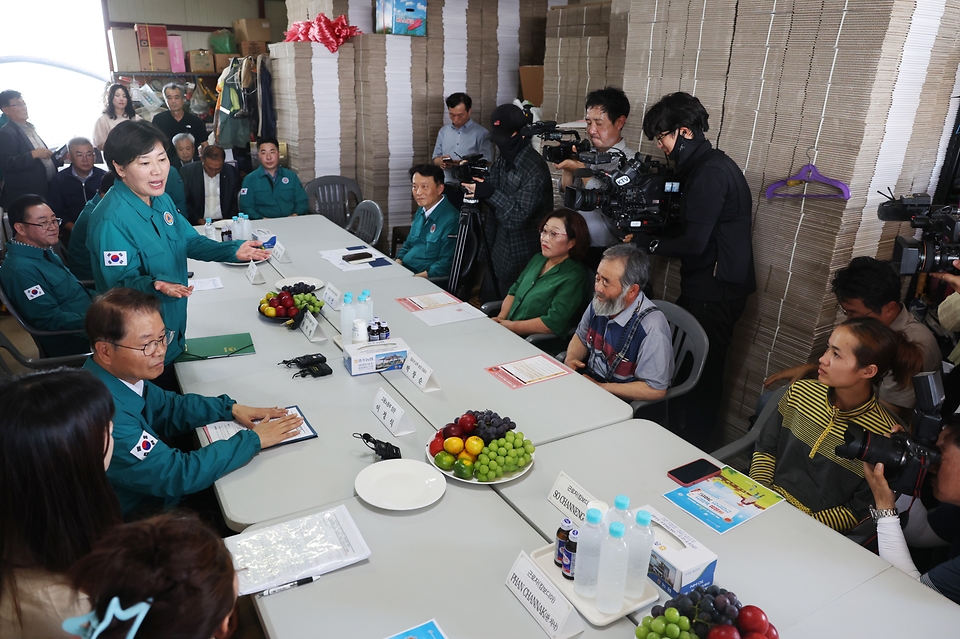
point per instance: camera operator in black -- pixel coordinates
(605, 112)
(715, 249)
(519, 193)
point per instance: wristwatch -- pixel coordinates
(652, 248)
(885, 512)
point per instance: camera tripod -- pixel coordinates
(469, 220)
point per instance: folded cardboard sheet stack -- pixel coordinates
(575, 61)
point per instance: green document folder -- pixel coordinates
(197, 348)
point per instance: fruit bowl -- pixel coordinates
(279, 320)
(473, 480)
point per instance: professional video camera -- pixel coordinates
(906, 457)
(939, 243)
(472, 166)
(547, 131)
(636, 196)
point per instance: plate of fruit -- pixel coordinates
(286, 305)
(481, 447)
(299, 285)
(706, 613)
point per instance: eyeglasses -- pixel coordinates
(553, 235)
(88, 155)
(150, 348)
(659, 138)
(842, 310)
(46, 225)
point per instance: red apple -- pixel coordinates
(288, 302)
(453, 430)
(753, 635)
(281, 311)
(274, 302)
(772, 632)
(467, 422)
(752, 619)
(722, 631)
(436, 445)
(292, 311)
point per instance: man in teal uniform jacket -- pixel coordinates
(129, 340)
(271, 190)
(38, 284)
(428, 250)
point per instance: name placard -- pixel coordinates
(570, 498)
(391, 414)
(253, 274)
(542, 599)
(416, 370)
(332, 297)
(279, 253)
(310, 327)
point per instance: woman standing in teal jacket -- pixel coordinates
(137, 238)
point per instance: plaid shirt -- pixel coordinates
(523, 195)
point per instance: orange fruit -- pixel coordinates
(453, 445)
(473, 445)
(466, 455)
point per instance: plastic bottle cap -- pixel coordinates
(365, 292)
(643, 518)
(574, 534)
(594, 516)
(598, 505)
(622, 502)
(616, 530)
(566, 524)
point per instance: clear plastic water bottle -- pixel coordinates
(247, 227)
(236, 232)
(209, 229)
(589, 540)
(363, 308)
(348, 313)
(366, 292)
(612, 577)
(640, 543)
(620, 512)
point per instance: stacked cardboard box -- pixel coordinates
(152, 45)
(575, 61)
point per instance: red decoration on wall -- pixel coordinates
(329, 33)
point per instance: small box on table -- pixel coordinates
(374, 357)
(679, 563)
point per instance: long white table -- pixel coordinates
(448, 561)
(783, 560)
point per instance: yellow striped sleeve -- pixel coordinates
(840, 518)
(762, 467)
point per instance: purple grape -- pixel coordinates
(720, 603)
(656, 611)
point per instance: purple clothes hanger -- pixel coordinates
(809, 173)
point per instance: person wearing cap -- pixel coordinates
(519, 194)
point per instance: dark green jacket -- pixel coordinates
(427, 247)
(557, 297)
(260, 197)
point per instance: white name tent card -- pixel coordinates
(332, 297)
(391, 415)
(279, 253)
(570, 498)
(420, 374)
(310, 327)
(254, 275)
(542, 600)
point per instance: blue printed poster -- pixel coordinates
(725, 501)
(428, 630)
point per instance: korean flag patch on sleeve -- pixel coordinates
(114, 258)
(144, 446)
(33, 292)
(243, 191)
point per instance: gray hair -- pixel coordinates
(78, 142)
(174, 85)
(636, 266)
(180, 137)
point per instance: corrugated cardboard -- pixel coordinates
(222, 60)
(151, 36)
(252, 29)
(155, 59)
(201, 61)
(252, 47)
(123, 49)
(531, 84)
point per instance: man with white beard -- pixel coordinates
(623, 342)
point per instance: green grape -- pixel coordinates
(509, 436)
(672, 615)
(640, 632)
(502, 451)
(501, 459)
(517, 434)
(673, 631)
(685, 635)
(527, 457)
(658, 625)
(684, 623)
(483, 468)
(501, 443)
(512, 453)
(483, 459)
(482, 477)
(485, 451)
(499, 472)
(645, 622)
(521, 462)
(652, 635)
(493, 464)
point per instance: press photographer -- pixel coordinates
(715, 249)
(606, 112)
(518, 194)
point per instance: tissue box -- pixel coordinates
(679, 563)
(374, 357)
(263, 235)
(401, 17)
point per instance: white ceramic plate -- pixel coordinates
(244, 264)
(400, 484)
(290, 281)
(473, 480)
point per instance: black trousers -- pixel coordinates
(695, 416)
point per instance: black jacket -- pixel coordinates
(192, 175)
(716, 248)
(22, 174)
(67, 195)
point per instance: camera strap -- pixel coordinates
(627, 338)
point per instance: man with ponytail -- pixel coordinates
(794, 453)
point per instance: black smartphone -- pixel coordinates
(689, 474)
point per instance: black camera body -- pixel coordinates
(637, 196)
(906, 457)
(565, 140)
(939, 243)
(472, 166)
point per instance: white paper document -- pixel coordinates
(534, 369)
(335, 257)
(433, 300)
(225, 430)
(296, 549)
(205, 284)
(449, 314)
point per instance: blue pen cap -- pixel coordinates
(616, 530)
(594, 516)
(622, 502)
(643, 518)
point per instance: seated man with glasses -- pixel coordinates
(75, 185)
(623, 342)
(40, 287)
(870, 288)
(129, 343)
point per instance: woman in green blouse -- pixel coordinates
(551, 292)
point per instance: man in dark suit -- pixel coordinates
(27, 164)
(211, 187)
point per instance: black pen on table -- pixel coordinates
(292, 584)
